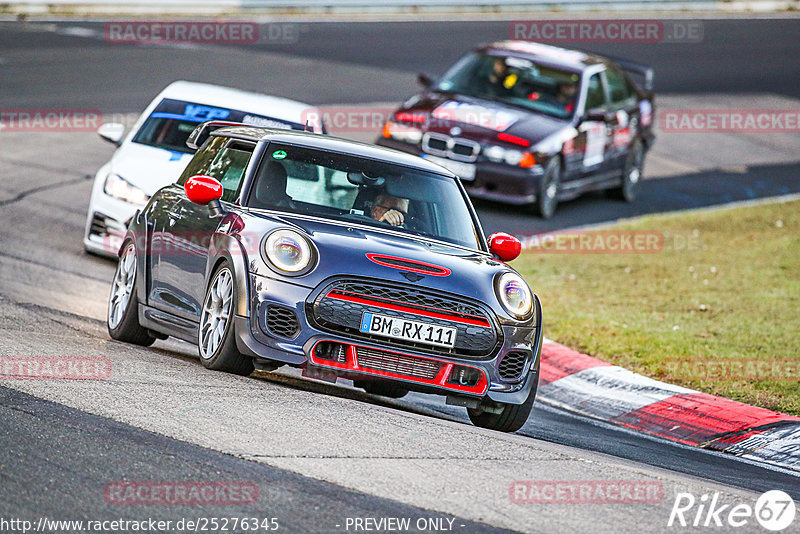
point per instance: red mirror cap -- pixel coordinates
(505, 246)
(203, 189)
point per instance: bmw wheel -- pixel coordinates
(547, 200)
(632, 174)
(216, 341)
(123, 305)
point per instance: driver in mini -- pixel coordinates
(390, 209)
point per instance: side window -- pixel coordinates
(618, 87)
(228, 167)
(595, 96)
(202, 159)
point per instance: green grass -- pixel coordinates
(725, 289)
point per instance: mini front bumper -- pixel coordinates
(255, 339)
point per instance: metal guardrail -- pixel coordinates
(364, 4)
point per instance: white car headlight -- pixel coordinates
(514, 294)
(402, 132)
(288, 251)
(118, 187)
(495, 153)
(513, 157)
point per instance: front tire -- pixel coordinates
(123, 305)
(631, 174)
(547, 200)
(216, 341)
(511, 417)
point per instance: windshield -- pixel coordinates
(365, 191)
(172, 121)
(516, 81)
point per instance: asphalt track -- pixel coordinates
(51, 295)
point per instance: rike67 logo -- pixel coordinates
(774, 511)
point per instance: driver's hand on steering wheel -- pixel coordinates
(393, 217)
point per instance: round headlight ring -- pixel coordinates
(515, 296)
(288, 252)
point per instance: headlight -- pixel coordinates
(288, 251)
(513, 157)
(514, 295)
(402, 132)
(509, 156)
(118, 187)
(495, 153)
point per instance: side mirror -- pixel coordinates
(424, 80)
(505, 246)
(112, 132)
(205, 191)
(595, 114)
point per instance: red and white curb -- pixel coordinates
(580, 383)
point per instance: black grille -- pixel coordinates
(98, 226)
(438, 144)
(344, 317)
(463, 150)
(512, 365)
(400, 364)
(282, 322)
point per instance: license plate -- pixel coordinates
(397, 328)
(465, 171)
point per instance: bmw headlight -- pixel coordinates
(514, 294)
(402, 132)
(288, 252)
(509, 156)
(118, 187)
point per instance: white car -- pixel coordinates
(154, 153)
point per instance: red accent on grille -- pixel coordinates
(351, 364)
(397, 307)
(423, 267)
(414, 307)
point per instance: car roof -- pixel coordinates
(332, 144)
(543, 53)
(227, 97)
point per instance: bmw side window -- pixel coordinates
(619, 88)
(228, 167)
(202, 159)
(595, 95)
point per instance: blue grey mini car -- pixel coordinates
(345, 259)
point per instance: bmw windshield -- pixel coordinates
(516, 81)
(364, 191)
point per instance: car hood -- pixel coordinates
(343, 251)
(147, 167)
(481, 119)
